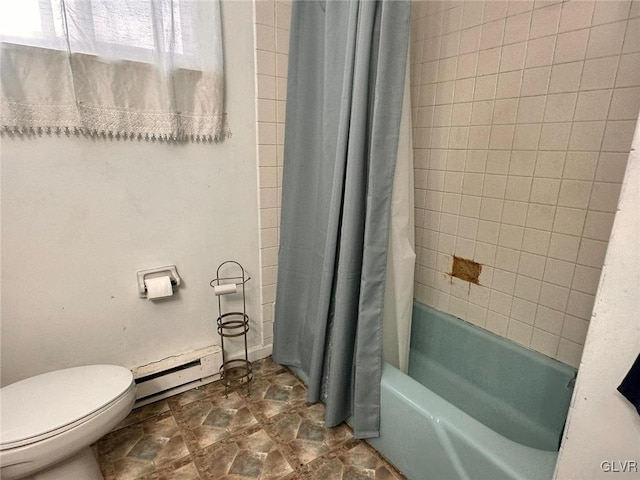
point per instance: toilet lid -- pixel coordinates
(49, 402)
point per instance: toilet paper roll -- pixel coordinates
(225, 289)
(158, 287)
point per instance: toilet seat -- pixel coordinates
(46, 405)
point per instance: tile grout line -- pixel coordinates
(196, 456)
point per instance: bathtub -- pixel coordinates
(474, 405)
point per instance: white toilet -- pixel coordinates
(47, 422)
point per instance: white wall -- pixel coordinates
(80, 216)
(602, 424)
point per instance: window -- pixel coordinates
(167, 45)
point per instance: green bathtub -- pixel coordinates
(475, 406)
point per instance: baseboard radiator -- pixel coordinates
(180, 373)
(174, 375)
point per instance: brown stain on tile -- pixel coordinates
(466, 270)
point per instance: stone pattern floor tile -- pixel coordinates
(270, 434)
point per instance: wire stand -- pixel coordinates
(239, 371)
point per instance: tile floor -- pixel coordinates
(270, 434)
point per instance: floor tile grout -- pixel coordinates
(270, 433)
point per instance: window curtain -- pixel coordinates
(127, 68)
(346, 73)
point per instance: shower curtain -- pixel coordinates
(346, 74)
(401, 258)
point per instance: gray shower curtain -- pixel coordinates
(344, 101)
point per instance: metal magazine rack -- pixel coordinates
(238, 371)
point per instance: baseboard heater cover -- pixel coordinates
(180, 373)
(176, 374)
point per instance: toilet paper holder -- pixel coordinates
(169, 270)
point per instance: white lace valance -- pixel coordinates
(130, 68)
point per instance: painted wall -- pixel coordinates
(80, 216)
(603, 428)
(523, 117)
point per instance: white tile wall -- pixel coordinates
(271, 21)
(523, 117)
